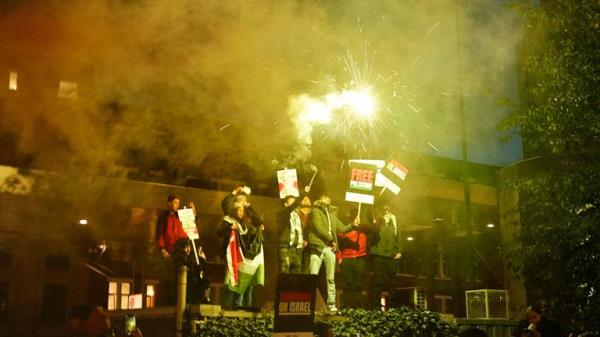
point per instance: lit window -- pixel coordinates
(67, 90)
(12, 81)
(112, 295)
(125, 295)
(150, 293)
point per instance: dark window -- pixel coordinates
(5, 259)
(3, 301)
(57, 262)
(54, 303)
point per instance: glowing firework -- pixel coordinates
(359, 102)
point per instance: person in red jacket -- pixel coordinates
(351, 259)
(168, 231)
(168, 227)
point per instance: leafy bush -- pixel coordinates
(236, 327)
(400, 322)
(397, 322)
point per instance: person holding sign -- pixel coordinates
(290, 228)
(322, 238)
(168, 227)
(169, 230)
(386, 250)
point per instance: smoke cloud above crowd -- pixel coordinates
(187, 79)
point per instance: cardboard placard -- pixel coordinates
(393, 174)
(188, 221)
(288, 183)
(295, 305)
(362, 183)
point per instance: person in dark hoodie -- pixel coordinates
(197, 279)
(385, 251)
(536, 324)
(322, 238)
(291, 240)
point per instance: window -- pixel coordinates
(57, 262)
(441, 266)
(3, 301)
(443, 304)
(12, 81)
(54, 303)
(67, 90)
(112, 296)
(125, 291)
(150, 295)
(118, 294)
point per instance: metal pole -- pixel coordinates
(181, 300)
(465, 152)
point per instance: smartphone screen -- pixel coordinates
(129, 325)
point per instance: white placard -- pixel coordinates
(288, 183)
(188, 220)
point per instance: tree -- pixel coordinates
(558, 241)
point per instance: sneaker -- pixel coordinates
(332, 309)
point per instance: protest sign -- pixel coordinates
(362, 183)
(393, 174)
(188, 220)
(295, 305)
(288, 183)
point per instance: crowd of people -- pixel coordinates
(310, 237)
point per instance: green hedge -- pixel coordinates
(401, 322)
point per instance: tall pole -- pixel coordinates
(465, 151)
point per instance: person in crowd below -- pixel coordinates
(290, 229)
(198, 282)
(168, 230)
(385, 251)
(537, 325)
(249, 238)
(87, 321)
(351, 259)
(322, 238)
(239, 192)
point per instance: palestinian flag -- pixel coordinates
(243, 271)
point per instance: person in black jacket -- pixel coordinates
(197, 280)
(291, 239)
(537, 325)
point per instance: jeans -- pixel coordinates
(290, 260)
(328, 257)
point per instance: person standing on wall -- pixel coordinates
(385, 251)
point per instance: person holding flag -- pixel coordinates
(322, 238)
(243, 248)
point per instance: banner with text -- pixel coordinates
(188, 220)
(362, 183)
(393, 174)
(295, 305)
(287, 181)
